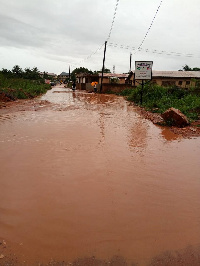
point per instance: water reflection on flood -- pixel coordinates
(89, 176)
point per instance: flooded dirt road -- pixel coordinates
(86, 176)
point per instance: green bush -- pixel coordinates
(18, 88)
(126, 92)
(159, 99)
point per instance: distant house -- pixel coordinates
(110, 82)
(113, 78)
(48, 75)
(52, 75)
(182, 79)
(63, 76)
(84, 80)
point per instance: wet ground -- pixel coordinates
(87, 180)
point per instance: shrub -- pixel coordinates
(159, 99)
(18, 88)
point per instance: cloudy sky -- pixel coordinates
(53, 34)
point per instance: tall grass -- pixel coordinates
(18, 88)
(159, 99)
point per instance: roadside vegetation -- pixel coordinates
(158, 99)
(19, 84)
(86, 71)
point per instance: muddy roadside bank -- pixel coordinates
(193, 130)
(6, 107)
(188, 256)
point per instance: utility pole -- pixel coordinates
(130, 60)
(103, 66)
(142, 89)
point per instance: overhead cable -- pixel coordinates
(101, 46)
(168, 53)
(113, 20)
(150, 25)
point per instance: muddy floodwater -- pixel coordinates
(84, 175)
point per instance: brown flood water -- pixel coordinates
(88, 176)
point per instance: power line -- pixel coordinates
(101, 46)
(112, 24)
(150, 25)
(133, 48)
(93, 53)
(168, 53)
(122, 46)
(88, 57)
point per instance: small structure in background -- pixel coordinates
(111, 82)
(114, 78)
(119, 82)
(48, 76)
(182, 79)
(63, 77)
(84, 81)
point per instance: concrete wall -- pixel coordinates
(106, 80)
(106, 88)
(90, 88)
(80, 86)
(179, 82)
(115, 88)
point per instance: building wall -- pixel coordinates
(80, 86)
(106, 87)
(90, 88)
(115, 88)
(179, 82)
(106, 80)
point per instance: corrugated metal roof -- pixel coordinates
(86, 75)
(64, 74)
(51, 74)
(109, 75)
(176, 74)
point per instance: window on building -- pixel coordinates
(168, 83)
(180, 82)
(187, 82)
(153, 81)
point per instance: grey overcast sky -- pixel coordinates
(53, 34)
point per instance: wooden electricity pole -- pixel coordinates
(103, 66)
(130, 60)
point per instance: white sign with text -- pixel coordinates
(143, 70)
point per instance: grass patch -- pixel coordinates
(18, 88)
(159, 99)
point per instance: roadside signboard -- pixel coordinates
(143, 70)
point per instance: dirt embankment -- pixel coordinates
(187, 256)
(193, 130)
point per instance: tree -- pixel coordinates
(31, 73)
(17, 71)
(106, 70)
(6, 73)
(196, 69)
(78, 71)
(35, 73)
(187, 68)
